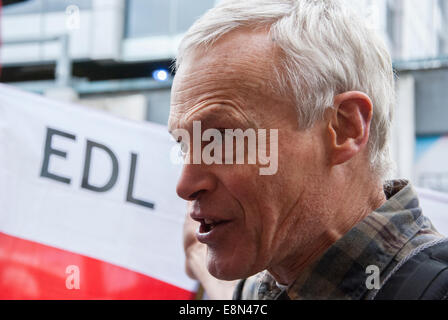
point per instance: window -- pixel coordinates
(391, 22)
(442, 44)
(443, 36)
(43, 6)
(189, 11)
(147, 18)
(431, 101)
(162, 17)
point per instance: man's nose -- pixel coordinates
(194, 181)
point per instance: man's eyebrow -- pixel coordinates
(211, 115)
(219, 113)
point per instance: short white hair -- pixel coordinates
(327, 50)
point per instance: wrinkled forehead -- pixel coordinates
(240, 64)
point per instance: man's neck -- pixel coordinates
(349, 214)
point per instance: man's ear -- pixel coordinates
(349, 125)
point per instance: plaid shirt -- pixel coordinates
(383, 238)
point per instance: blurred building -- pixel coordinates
(94, 51)
(416, 33)
(116, 55)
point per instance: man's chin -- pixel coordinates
(227, 270)
(224, 275)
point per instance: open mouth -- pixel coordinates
(208, 225)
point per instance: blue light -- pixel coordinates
(160, 75)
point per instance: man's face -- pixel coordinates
(258, 221)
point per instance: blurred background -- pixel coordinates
(116, 55)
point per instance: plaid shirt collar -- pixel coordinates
(340, 273)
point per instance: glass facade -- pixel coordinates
(189, 11)
(162, 17)
(431, 98)
(442, 36)
(44, 6)
(391, 22)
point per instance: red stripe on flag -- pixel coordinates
(29, 270)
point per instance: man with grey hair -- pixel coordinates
(326, 225)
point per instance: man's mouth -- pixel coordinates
(208, 225)
(212, 229)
